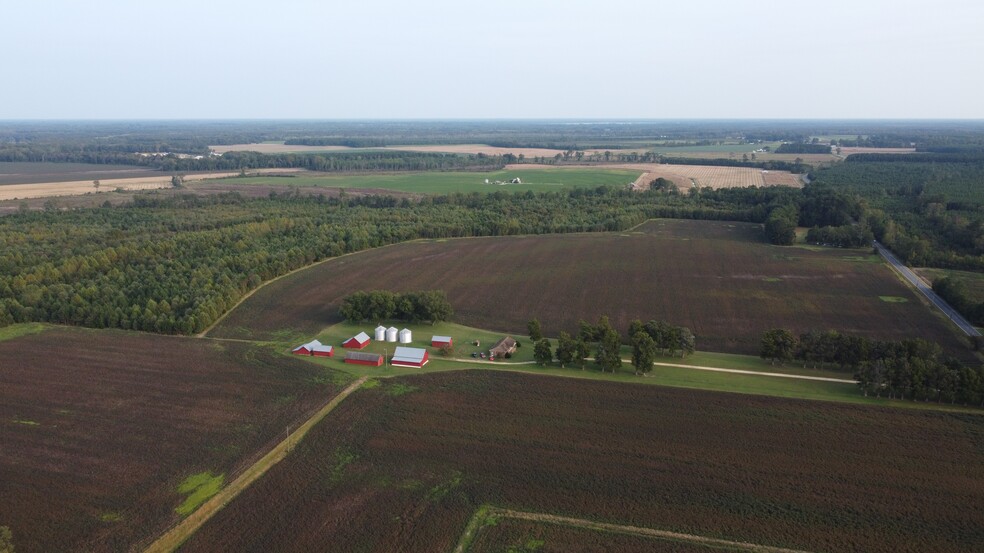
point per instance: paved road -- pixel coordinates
(921, 285)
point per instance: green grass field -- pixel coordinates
(678, 377)
(538, 179)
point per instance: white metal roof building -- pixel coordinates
(409, 357)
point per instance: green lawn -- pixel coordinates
(18, 330)
(537, 179)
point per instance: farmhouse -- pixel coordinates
(358, 341)
(409, 357)
(441, 341)
(503, 346)
(364, 358)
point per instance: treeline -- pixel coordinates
(834, 218)
(174, 264)
(646, 339)
(791, 166)
(378, 305)
(908, 369)
(802, 148)
(955, 293)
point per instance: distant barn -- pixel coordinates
(315, 348)
(409, 357)
(364, 358)
(358, 341)
(441, 341)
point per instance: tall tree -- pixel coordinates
(643, 352)
(608, 355)
(541, 352)
(565, 349)
(536, 334)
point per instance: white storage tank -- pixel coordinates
(391, 334)
(405, 336)
(380, 333)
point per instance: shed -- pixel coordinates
(409, 357)
(322, 350)
(391, 333)
(358, 341)
(306, 349)
(405, 336)
(364, 358)
(441, 341)
(503, 346)
(380, 333)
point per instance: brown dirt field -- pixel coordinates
(704, 176)
(497, 151)
(403, 466)
(848, 151)
(100, 427)
(766, 156)
(274, 148)
(719, 279)
(78, 188)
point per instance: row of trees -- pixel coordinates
(431, 306)
(648, 340)
(907, 369)
(954, 291)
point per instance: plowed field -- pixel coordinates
(99, 428)
(401, 468)
(717, 278)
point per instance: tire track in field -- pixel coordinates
(475, 525)
(173, 538)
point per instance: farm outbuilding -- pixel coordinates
(380, 333)
(391, 334)
(358, 341)
(503, 346)
(315, 348)
(406, 336)
(409, 357)
(306, 349)
(364, 358)
(441, 341)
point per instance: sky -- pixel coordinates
(464, 59)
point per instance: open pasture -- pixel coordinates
(533, 178)
(402, 467)
(101, 428)
(719, 279)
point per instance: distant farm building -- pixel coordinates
(315, 348)
(406, 336)
(409, 357)
(380, 333)
(517, 180)
(441, 341)
(364, 358)
(358, 341)
(503, 346)
(391, 334)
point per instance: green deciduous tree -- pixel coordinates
(566, 349)
(533, 327)
(608, 354)
(643, 352)
(542, 352)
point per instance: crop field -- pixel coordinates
(719, 279)
(706, 176)
(973, 282)
(402, 467)
(15, 172)
(108, 437)
(533, 178)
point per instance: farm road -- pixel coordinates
(926, 290)
(677, 365)
(618, 529)
(173, 538)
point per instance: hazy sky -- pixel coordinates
(501, 59)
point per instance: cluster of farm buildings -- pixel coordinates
(403, 356)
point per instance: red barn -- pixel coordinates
(306, 349)
(358, 341)
(414, 358)
(322, 350)
(364, 358)
(441, 341)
